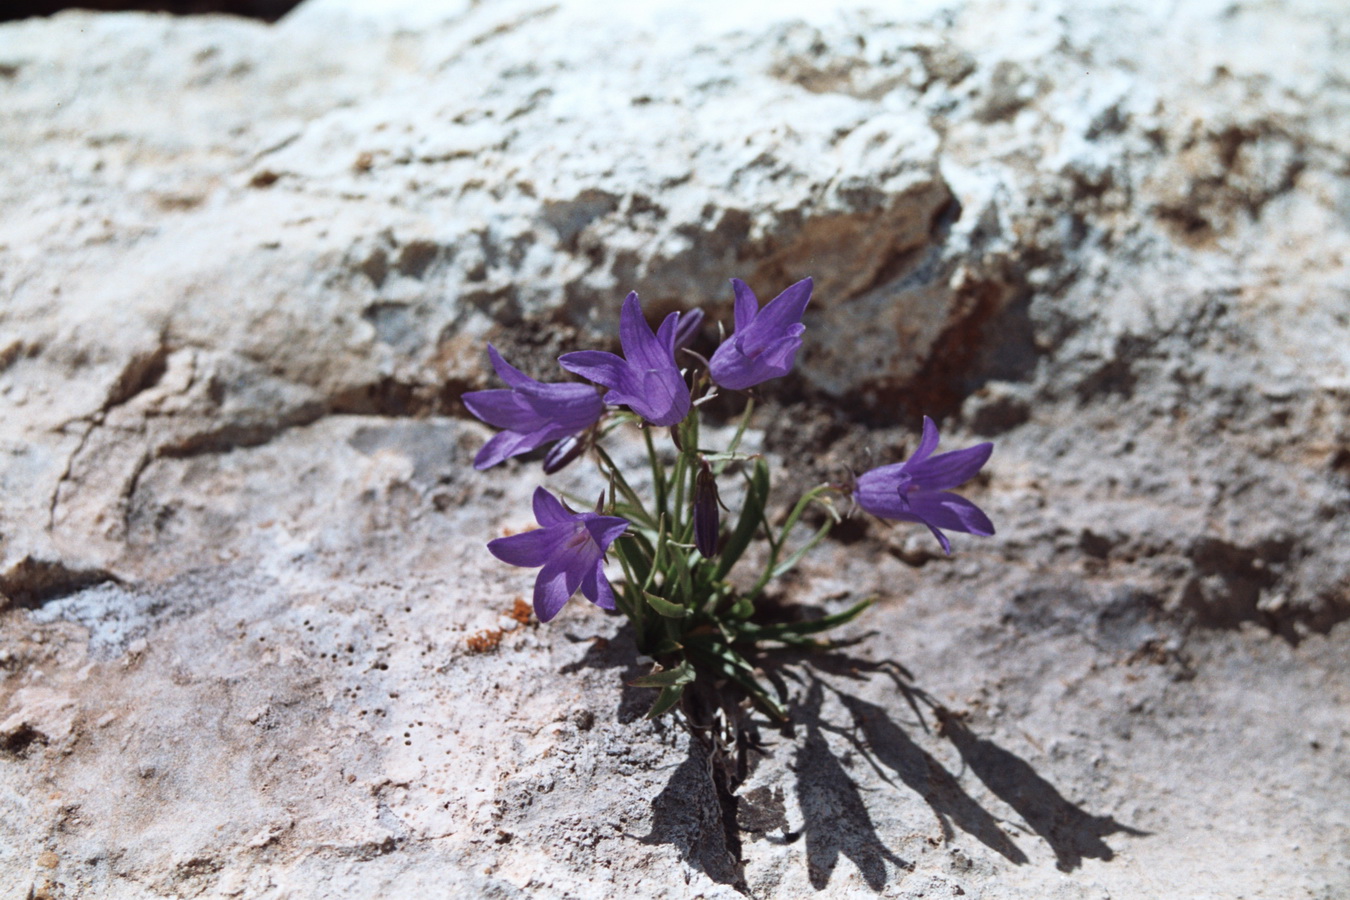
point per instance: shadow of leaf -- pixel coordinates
(836, 818)
(1071, 832)
(890, 746)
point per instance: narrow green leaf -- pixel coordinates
(665, 607)
(681, 674)
(756, 496)
(783, 631)
(676, 508)
(679, 557)
(632, 558)
(732, 666)
(788, 564)
(656, 555)
(665, 700)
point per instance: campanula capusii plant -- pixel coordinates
(675, 549)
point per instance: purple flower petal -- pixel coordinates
(641, 348)
(914, 491)
(765, 342)
(667, 334)
(665, 398)
(747, 305)
(942, 539)
(503, 446)
(690, 323)
(604, 530)
(927, 444)
(507, 372)
(733, 370)
(553, 588)
(880, 495)
(781, 353)
(532, 413)
(646, 379)
(570, 547)
(529, 548)
(947, 470)
(595, 587)
(603, 368)
(780, 313)
(504, 409)
(940, 509)
(549, 510)
(568, 411)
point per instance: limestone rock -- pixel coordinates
(251, 644)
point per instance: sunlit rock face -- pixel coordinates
(251, 643)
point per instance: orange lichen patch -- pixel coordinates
(490, 639)
(520, 612)
(485, 641)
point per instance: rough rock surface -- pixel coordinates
(250, 642)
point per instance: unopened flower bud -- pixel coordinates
(705, 512)
(563, 452)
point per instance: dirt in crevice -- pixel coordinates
(31, 582)
(266, 10)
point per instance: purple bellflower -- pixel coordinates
(646, 378)
(571, 548)
(764, 344)
(916, 490)
(532, 412)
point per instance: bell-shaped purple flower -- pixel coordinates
(764, 344)
(916, 490)
(646, 378)
(571, 548)
(532, 412)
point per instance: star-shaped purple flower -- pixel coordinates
(646, 378)
(916, 490)
(764, 344)
(571, 548)
(532, 412)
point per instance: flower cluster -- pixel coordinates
(675, 551)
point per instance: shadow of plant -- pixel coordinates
(1072, 833)
(701, 812)
(837, 822)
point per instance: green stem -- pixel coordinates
(736, 438)
(677, 510)
(658, 470)
(622, 483)
(772, 569)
